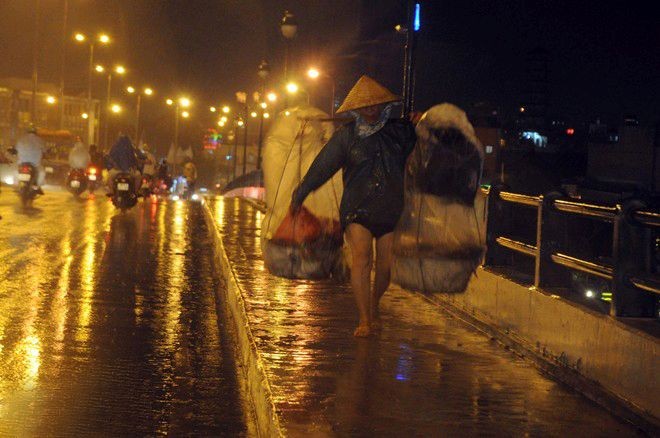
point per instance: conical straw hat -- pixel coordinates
(366, 92)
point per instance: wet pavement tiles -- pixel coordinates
(427, 374)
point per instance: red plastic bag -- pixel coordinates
(303, 227)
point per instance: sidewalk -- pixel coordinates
(428, 374)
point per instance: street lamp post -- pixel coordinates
(245, 138)
(35, 63)
(237, 124)
(119, 70)
(103, 39)
(264, 70)
(182, 102)
(138, 107)
(289, 28)
(65, 23)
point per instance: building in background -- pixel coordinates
(57, 124)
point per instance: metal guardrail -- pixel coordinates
(587, 210)
(635, 288)
(583, 266)
(648, 218)
(520, 247)
(532, 201)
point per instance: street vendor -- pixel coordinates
(372, 151)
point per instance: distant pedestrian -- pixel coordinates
(372, 152)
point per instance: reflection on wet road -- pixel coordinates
(108, 322)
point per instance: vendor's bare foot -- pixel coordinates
(362, 331)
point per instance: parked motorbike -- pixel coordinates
(27, 183)
(93, 178)
(124, 194)
(76, 182)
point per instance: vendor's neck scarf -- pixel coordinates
(365, 129)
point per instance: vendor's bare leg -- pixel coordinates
(383, 269)
(360, 241)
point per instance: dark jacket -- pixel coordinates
(373, 169)
(123, 155)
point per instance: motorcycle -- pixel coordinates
(93, 178)
(76, 182)
(161, 186)
(124, 195)
(27, 183)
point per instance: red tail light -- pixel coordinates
(24, 169)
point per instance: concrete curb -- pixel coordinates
(267, 419)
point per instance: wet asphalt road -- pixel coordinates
(108, 322)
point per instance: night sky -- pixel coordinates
(604, 56)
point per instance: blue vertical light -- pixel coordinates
(418, 19)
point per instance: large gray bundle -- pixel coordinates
(440, 238)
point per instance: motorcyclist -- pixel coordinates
(95, 156)
(190, 174)
(79, 156)
(186, 181)
(123, 157)
(149, 161)
(30, 149)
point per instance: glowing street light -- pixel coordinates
(185, 114)
(170, 102)
(263, 105)
(314, 73)
(103, 38)
(272, 97)
(148, 91)
(223, 119)
(84, 116)
(240, 123)
(266, 115)
(226, 109)
(253, 114)
(213, 109)
(184, 102)
(120, 69)
(51, 100)
(292, 88)
(116, 108)
(80, 37)
(130, 89)
(99, 69)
